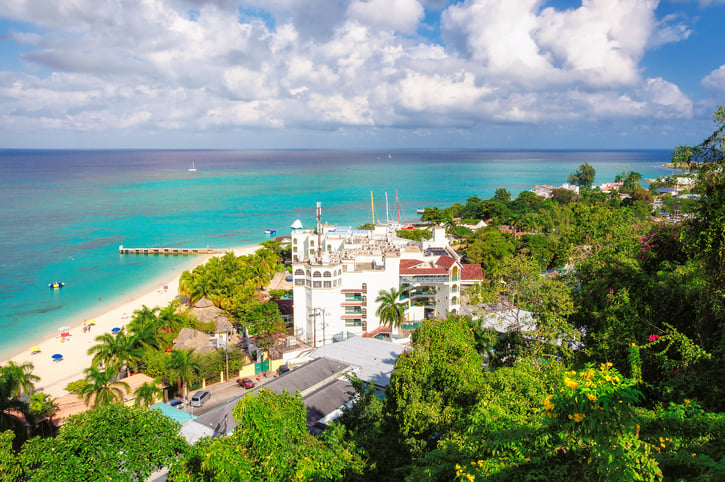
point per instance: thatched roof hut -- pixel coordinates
(190, 338)
(205, 311)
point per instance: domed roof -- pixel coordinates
(297, 224)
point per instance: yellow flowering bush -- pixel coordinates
(595, 409)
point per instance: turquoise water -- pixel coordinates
(64, 213)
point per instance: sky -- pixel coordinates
(360, 74)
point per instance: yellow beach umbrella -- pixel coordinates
(34, 349)
(91, 322)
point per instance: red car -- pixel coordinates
(245, 382)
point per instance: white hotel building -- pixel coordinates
(338, 273)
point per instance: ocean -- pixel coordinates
(64, 213)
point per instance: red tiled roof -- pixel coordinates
(471, 272)
(409, 263)
(446, 261)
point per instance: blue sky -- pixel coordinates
(378, 74)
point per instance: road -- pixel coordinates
(220, 393)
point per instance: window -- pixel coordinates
(317, 284)
(294, 240)
(352, 310)
(365, 288)
(328, 284)
(299, 272)
(300, 282)
(327, 274)
(294, 248)
(353, 323)
(317, 275)
(309, 273)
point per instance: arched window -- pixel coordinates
(317, 275)
(299, 272)
(294, 240)
(327, 274)
(365, 288)
(309, 273)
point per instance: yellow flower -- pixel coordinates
(547, 403)
(688, 404)
(571, 373)
(570, 383)
(470, 477)
(592, 397)
(577, 417)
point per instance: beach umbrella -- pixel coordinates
(63, 335)
(34, 349)
(57, 357)
(64, 328)
(91, 322)
(115, 330)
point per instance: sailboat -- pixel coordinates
(193, 167)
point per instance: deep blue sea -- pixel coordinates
(64, 213)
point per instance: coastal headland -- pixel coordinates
(56, 373)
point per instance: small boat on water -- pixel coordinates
(55, 285)
(193, 167)
(270, 231)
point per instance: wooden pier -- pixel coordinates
(170, 251)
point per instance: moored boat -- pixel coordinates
(270, 231)
(56, 285)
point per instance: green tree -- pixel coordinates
(271, 443)
(434, 384)
(533, 308)
(583, 176)
(391, 311)
(502, 194)
(489, 247)
(11, 468)
(109, 442)
(115, 351)
(183, 366)
(147, 394)
(13, 411)
(101, 388)
(21, 377)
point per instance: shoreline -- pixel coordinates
(55, 375)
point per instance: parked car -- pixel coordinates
(283, 369)
(198, 399)
(245, 382)
(175, 402)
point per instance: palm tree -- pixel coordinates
(183, 366)
(147, 393)
(144, 327)
(169, 319)
(101, 387)
(391, 310)
(22, 377)
(13, 411)
(43, 406)
(115, 352)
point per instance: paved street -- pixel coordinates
(220, 393)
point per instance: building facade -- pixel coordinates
(339, 272)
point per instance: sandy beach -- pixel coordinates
(56, 374)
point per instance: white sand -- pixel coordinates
(55, 375)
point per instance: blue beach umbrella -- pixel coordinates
(115, 330)
(57, 357)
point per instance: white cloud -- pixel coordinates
(715, 80)
(400, 15)
(321, 64)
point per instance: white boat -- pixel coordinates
(193, 167)
(270, 231)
